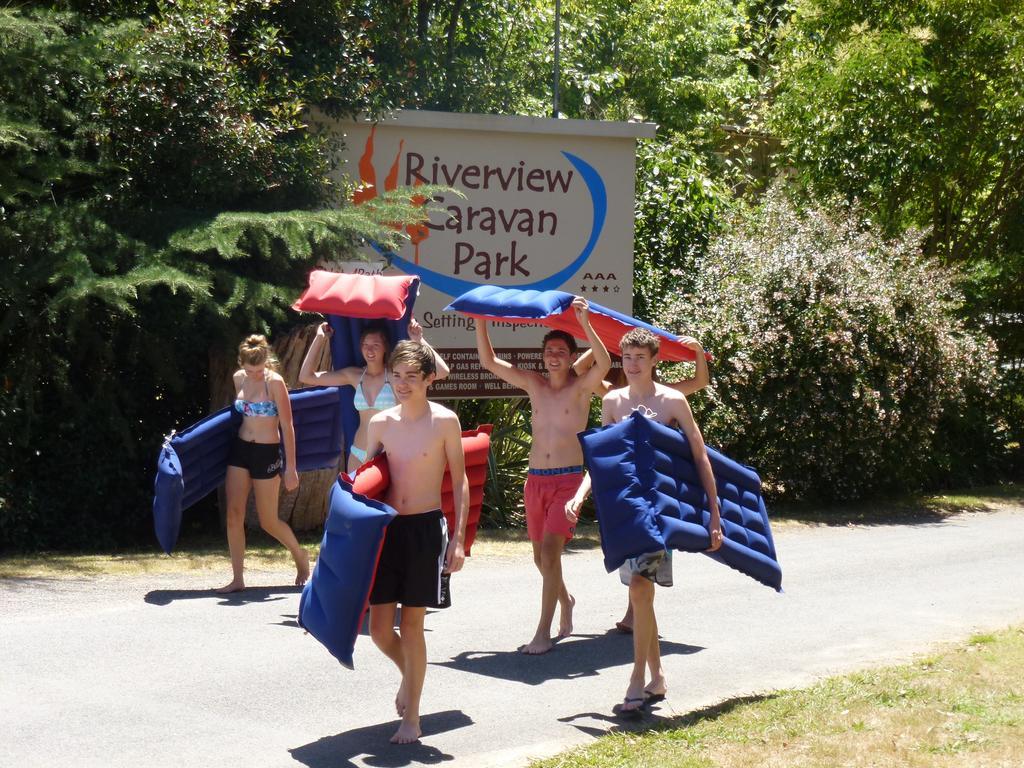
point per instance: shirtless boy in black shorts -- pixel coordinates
(420, 439)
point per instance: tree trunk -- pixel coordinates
(305, 508)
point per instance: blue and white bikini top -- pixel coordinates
(257, 407)
(385, 398)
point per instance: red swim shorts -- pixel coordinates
(545, 495)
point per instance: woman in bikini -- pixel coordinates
(255, 462)
(373, 390)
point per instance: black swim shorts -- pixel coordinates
(263, 460)
(411, 562)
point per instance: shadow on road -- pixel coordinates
(251, 595)
(648, 719)
(372, 744)
(576, 656)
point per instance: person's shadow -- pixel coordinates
(576, 656)
(372, 743)
(249, 595)
(648, 717)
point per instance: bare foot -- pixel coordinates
(236, 585)
(656, 689)
(626, 625)
(407, 733)
(537, 646)
(565, 620)
(401, 700)
(302, 568)
(634, 700)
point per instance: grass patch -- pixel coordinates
(963, 706)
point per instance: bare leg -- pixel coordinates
(645, 636)
(414, 651)
(566, 602)
(382, 630)
(658, 686)
(266, 508)
(236, 493)
(547, 554)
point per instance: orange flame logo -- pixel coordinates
(368, 190)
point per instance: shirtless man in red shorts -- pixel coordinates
(560, 403)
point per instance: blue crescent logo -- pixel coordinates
(454, 286)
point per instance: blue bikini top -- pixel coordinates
(385, 398)
(257, 407)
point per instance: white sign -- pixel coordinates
(548, 205)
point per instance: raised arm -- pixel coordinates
(684, 416)
(500, 368)
(602, 360)
(700, 378)
(308, 373)
(583, 364)
(279, 391)
(416, 334)
(455, 556)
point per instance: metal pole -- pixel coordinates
(558, 40)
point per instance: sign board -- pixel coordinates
(548, 205)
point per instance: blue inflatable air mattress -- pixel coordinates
(334, 599)
(192, 463)
(351, 303)
(649, 497)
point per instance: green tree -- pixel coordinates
(159, 197)
(915, 109)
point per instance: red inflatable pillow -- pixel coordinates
(361, 296)
(371, 479)
(476, 445)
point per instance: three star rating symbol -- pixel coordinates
(599, 289)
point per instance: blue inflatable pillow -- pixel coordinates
(642, 471)
(334, 599)
(192, 463)
(492, 300)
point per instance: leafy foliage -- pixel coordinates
(679, 207)
(841, 368)
(159, 199)
(509, 458)
(916, 109)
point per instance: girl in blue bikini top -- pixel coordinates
(373, 390)
(257, 407)
(265, 441)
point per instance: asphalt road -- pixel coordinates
(153, 671)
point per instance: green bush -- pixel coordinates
(509, 456)
(841, 368)
(679, 207)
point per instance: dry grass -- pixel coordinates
(961, 707)
(906, 510)
(210, 553)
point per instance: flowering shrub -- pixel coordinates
(841, 369)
